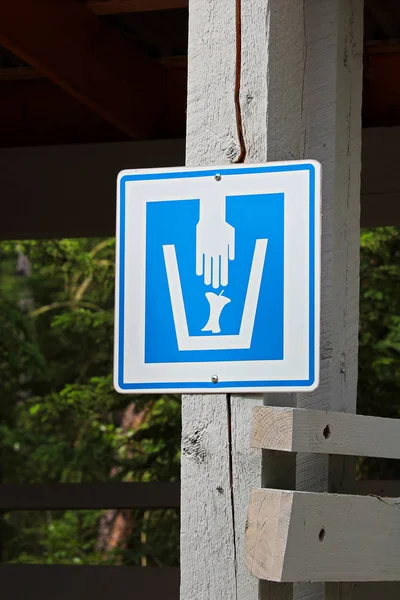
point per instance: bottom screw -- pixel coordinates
(214, 378)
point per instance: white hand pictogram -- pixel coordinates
(215, 242)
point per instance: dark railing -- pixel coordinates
(72, 582)
(60, 496)
(75, 582)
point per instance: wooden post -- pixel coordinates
(293, 87)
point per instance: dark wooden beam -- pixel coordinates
(90, 60)
(84, 176)
(80, 582)
(62, 496)
(112, 7)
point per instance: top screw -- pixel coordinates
(218, 177)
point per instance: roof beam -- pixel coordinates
(113, 7)
(88, 59)
(35, 111)
(19, 73)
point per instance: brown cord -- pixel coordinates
(239, 123)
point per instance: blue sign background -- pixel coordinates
(174, 222)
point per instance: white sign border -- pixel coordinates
(152, 372)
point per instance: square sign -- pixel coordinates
(218, 279)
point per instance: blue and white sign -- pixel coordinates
(218, 279)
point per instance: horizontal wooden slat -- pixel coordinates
(306, 536)
(85, 178)
(112, 7)
(67, 582)
(384, 487)
(317, 431)
(62, 496)
(383, 590)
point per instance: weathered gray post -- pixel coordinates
(290, 90)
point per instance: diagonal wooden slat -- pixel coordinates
(89, 59)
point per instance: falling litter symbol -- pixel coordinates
(217, 302)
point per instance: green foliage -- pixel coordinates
(379, 354)
(379, 360)
(61, 419)
(52, 538)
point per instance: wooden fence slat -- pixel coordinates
(304, 536)
(321, 432)
(47, 582)
(60, 496)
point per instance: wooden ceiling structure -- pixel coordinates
(100, 70)
(111, 70)
(89, 87)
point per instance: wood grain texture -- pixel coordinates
(299, 99)
(317, 431)
(332, 116)
(303, 536)
(208, 562)
(212, 138)
(209, 559)
(270, 97)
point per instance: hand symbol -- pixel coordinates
(215, 245)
